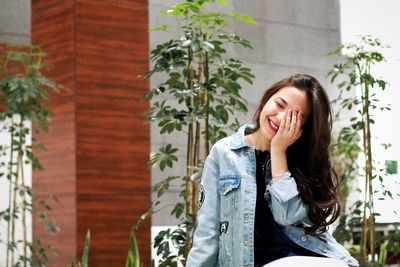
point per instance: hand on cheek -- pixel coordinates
(289, 130)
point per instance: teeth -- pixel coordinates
(273, 125)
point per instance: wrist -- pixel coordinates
(278, 177)
(278, 150)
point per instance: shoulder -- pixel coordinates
(224, 143)
(235, 141)
(217, 150)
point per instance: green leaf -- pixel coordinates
(162, 28)
(207, 46)
(178, 210)
(223, 2)
(85, 254)
(133, 258)
(245, 19)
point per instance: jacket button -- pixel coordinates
(324, 251)
(304, 238)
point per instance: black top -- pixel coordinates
(270, 242)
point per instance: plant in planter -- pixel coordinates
(23, 92)
(356, 75)
(199, 96)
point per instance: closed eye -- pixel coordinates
(279, 105)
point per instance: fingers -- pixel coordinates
(298, 121)
(288, 119)
(282, 124)
(293, 122)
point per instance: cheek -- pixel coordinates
(263, 115)
(268, 110)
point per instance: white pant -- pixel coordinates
(306, 261)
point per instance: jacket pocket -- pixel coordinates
(228, 189)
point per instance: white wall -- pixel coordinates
(4, 192)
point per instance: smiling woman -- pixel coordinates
(269, 191)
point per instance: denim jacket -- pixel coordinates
(227, 201)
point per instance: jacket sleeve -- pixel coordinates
(206, 236)
(287, 207)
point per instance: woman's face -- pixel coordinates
(276, 107)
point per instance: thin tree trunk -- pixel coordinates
(206, 106)
(15, 193)
(368, 223)
(190, 152)
(364, 235)
(10, 191)
(368, 164)
(21, 166)
(196, 160)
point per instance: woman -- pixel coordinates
(269, 191)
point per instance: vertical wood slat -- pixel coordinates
(98, 147)
(53, 29)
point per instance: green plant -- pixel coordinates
(85, 254)
(393, 242)
(382, 254)
(358, 77)
(201, 93)
(23, 90)
(133, 259)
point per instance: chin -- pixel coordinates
(267, 134)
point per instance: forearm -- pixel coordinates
(287, 206)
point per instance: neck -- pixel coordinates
(258, 141)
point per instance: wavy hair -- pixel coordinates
(308, 158)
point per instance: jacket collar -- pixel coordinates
(238, 139)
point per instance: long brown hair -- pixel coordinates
(308, 158)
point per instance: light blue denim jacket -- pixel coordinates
(227, 201)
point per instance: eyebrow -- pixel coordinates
(284, 101)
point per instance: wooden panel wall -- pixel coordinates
(112, 140)
(100, 145)
(53, 28)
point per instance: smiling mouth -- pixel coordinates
(273, 125)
